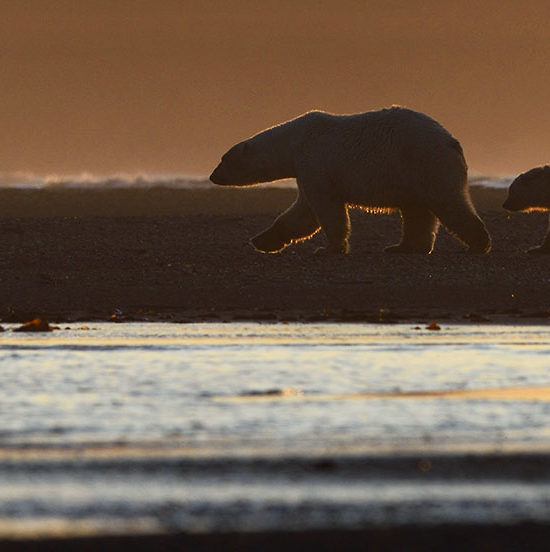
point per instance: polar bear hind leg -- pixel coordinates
(335, 223)
(460, 218)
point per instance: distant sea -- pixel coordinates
(122, 180)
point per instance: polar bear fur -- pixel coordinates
(380, 161)
(530, 191)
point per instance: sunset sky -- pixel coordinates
(166, 86)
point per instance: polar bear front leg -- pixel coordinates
(297, 223)
(544, 248)
(335, 223)
(419, 230)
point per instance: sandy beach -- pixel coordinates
(183, 255)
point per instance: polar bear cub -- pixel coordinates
(530, 191)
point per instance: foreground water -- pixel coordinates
(208, 427)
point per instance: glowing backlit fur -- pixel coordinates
(379, 161)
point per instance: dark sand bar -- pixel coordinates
(183, 255)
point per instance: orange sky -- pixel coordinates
(165, 86)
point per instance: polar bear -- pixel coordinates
(380, 161)
(530, 191)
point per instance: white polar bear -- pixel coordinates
(380, 161)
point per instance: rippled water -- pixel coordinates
(123, 426)
(139, 383)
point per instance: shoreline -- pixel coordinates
(71, 255)
(170, 201)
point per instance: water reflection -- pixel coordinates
(275, 384)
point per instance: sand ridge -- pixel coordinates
(94, 255)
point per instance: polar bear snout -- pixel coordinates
(232, 174)
(222, 177)
(217, 176)
(511, 205)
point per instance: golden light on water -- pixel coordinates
(483, 394)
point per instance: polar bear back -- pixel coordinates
(380, 158)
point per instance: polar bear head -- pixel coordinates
(236, 167)
(530, 191)
(265, 157)
(247, 163)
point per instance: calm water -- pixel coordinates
(147, 427)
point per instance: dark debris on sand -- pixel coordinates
(35, 325)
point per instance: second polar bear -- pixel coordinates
(530, 191)
(380, 161)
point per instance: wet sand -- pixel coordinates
(183, 255)
(482, 538)
(414, 469)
